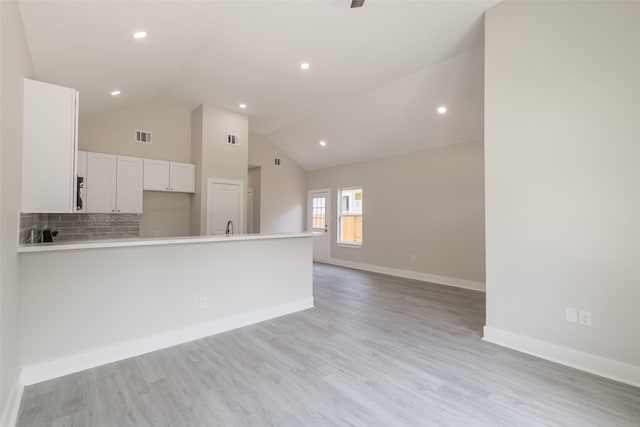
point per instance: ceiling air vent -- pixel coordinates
(277, 162)
(233, 139)
(143, 136)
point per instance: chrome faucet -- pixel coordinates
(229, 227)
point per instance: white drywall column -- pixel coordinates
(562, 196)
(214, 158)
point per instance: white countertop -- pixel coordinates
(115, 243)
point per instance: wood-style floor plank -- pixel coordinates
(375, 351)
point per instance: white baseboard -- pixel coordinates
(12, 406)
(408, 274)
(612, 369)
(90, 359)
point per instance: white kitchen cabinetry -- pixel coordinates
(183, 177)
(114, 184)
(156, 175)
(129, 185)
(100, 185)
(49, 147)
(160, 175)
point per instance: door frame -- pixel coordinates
(243, 201)
(327, 216)
(249, 211)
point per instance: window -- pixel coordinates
(350, 216)
(318, 212)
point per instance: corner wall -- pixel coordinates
(429, 204)
(16, 64)
(283, 194)
(562, 193)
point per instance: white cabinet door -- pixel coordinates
(156, 175)
(100, 185)
(48, 148)
(81, 172)
(183, 177)
(129, 185)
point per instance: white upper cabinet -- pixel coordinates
(183, 177)
(156, 175)
(113, 184)
(160, 175)
(49, 148)
(129, 185)
(100, 185)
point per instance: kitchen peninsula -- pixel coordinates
(139, 295)
(105, 290)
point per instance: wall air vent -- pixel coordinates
(277, 162)
(143, 136)
(233, 139)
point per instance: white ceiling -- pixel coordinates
(377, 73)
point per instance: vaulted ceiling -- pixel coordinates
(377, 73)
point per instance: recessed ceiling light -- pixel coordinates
(442, 110)
(243, 105)
(139, 34)
(115, 93)
(323, 143)
(304, 66)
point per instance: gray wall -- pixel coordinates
(196, 157)
(15, 65)
(164, 214)
(562, 149)
(430, 204)
(255, 175)
(283, 191)
(214, 158)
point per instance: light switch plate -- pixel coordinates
(571, 315)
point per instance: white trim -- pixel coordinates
(608, 368)
(415, 275)
(11, 408)
(90, 359)
(349, 245)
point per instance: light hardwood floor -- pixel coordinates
(375, 351)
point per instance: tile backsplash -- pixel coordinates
(31, 226)
(76, 227)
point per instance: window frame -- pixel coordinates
(339, 242)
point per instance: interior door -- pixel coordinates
(319, 213)
(226, 200)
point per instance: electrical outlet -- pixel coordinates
(571, 315)
(203, 302)
(585, 318)
(413, 257)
